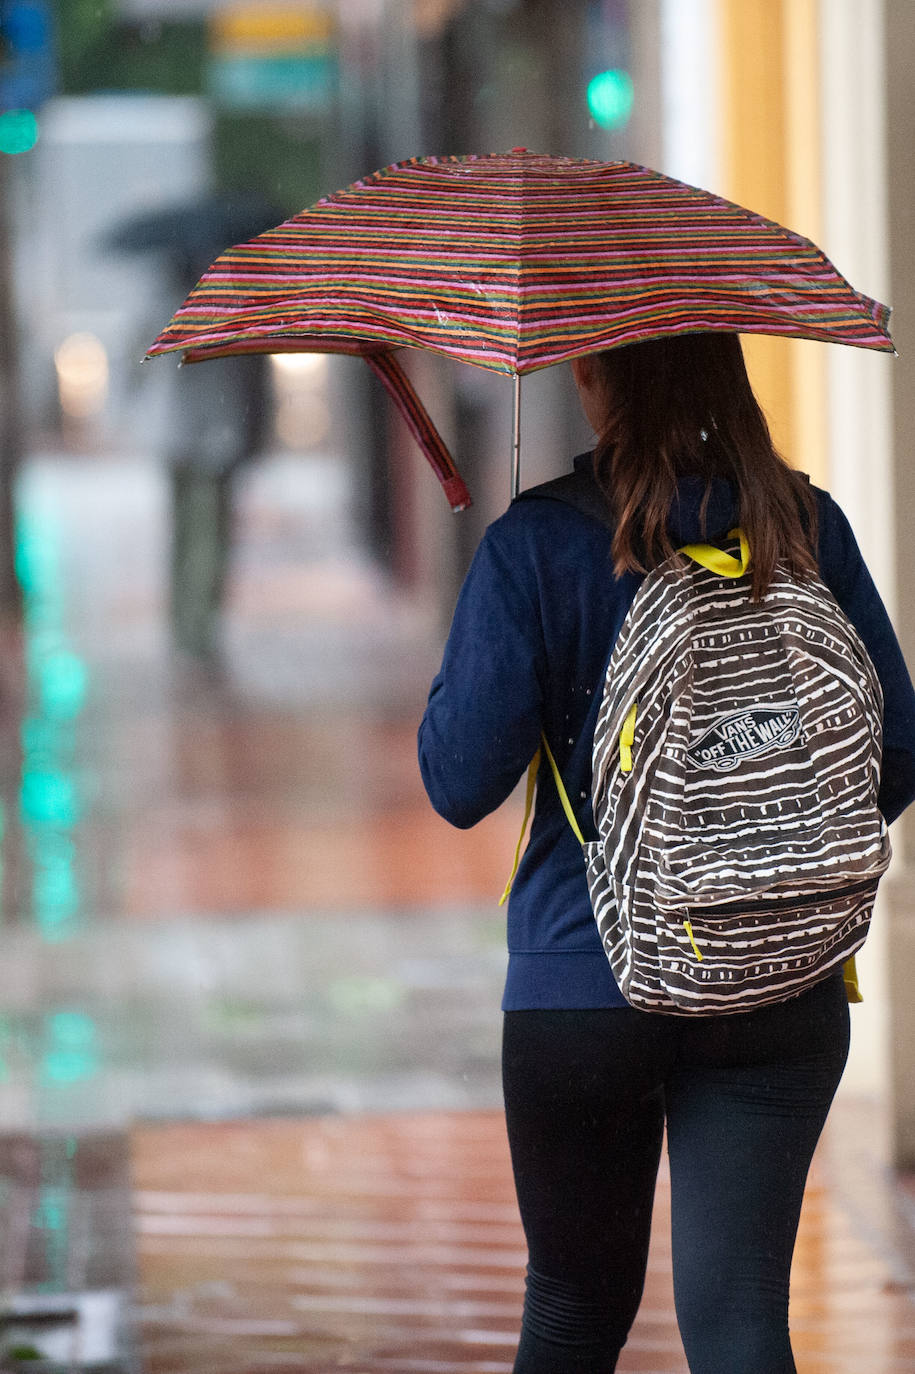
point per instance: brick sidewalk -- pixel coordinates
(392, 1244)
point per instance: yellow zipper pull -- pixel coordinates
(687, 926)
(627, 735)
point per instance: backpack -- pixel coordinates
(736, 765)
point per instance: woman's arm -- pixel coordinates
(845, 573)
(483, 719)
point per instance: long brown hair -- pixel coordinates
(683, 406)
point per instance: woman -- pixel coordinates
(683, 455)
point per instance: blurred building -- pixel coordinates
(99, 160)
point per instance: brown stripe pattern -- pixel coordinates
(514, 262)
(750, 811)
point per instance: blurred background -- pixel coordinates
(224, 590)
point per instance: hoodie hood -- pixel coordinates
(683, 522)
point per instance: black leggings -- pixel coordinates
(744, 1097)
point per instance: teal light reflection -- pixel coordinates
(50, 1222)
(56, 896)
(50, 798)
(50, 1211)
(18, 131)
(62, 679)
(37, 562)
(71, 1048)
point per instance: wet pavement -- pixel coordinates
(392, 1244)
(224, 890)
(249, 1024)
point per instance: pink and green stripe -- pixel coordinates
(514, 262)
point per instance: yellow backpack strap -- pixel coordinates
(717, 560)
(850, 975)
(563, 795)
(532, 771)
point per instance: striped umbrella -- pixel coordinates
(513, 262)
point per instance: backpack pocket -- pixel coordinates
(736, 956)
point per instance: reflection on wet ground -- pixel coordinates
(393, 1243)
(223, 889)
(242, 952)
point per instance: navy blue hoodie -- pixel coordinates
(534, 626)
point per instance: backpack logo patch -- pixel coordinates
(745, 734)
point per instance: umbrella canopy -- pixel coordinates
(514, 262)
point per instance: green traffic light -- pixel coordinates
(18, 131)
(610, 98)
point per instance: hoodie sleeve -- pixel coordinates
(845, 573)
(482, 723)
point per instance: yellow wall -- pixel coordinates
(771, 163)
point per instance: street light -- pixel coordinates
(611, 96)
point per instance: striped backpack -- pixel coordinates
(735, 772)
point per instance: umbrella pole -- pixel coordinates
(516, 438)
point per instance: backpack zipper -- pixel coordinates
(794, 903)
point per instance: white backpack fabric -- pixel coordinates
(735, 773)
